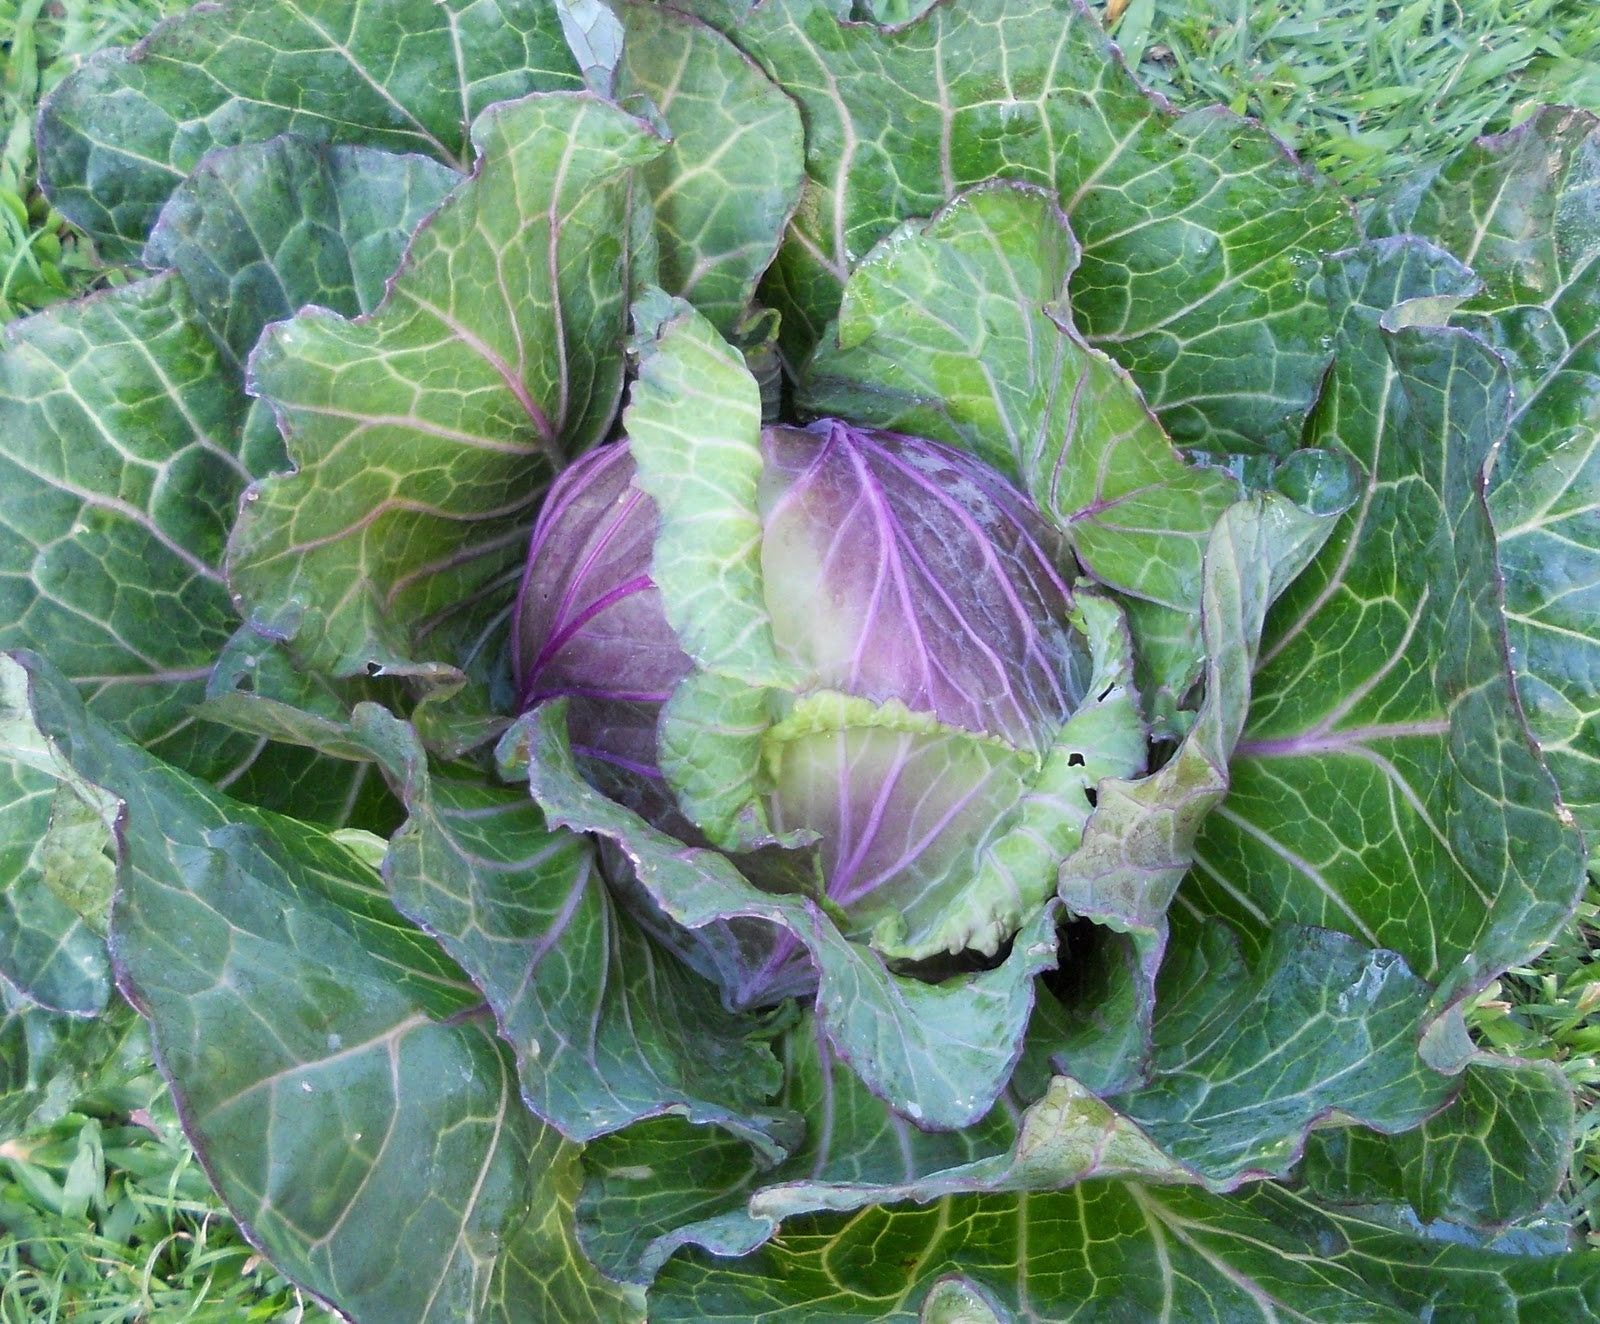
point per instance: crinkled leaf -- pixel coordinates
(1104, 737)
(726, 187)
(1108, 1251)
(1246, 1060)
(542, 1272)
(261, 230)
(1199, 234)
(117, 137)
(1385, 784)
(606, 1027)
(656, 1187)
(939, 1054)
(1495, 1155)
(1140, 841)
(694, 423)
(1523, 211)
(959, 328)
(424, 434)
(362, 1104)
(257, 686)
(120, 472)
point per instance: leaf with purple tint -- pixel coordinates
(425, 433)
(365, 1103)
(588, 625)
(607, 1028)
(902, 805)
(1523, 211)
(1385, 784)
(938, 1054)
(1018, 866)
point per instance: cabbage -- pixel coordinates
(750, 665)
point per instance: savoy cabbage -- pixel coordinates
(741, 662)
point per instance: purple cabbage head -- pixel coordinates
(919, 599)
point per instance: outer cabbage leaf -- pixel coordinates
(424, 434)
(49, 1059)
(1385, 784)
(940, 1054)
(726, 187)
(361, 1103)
(55, 879)
(1109, 1251)
(1496, 1155)
(1523, 211)
(658, 1187)
(1332, 1024)
(606, 1027)
(259, 231)
(1199, 234)
(120, 470)
(119, 135)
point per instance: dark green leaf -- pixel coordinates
(259, 231)
(331, 1065)
(1494, 1156)
(408, 76)
(1106, 1252)
(120, 471)
(1385, 784)
(1200, 236)
(607, 1028)
(1523, 211)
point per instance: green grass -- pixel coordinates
(105, 1215)
(1367, 91)
(111, 1220)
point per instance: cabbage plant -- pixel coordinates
(752, 662)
